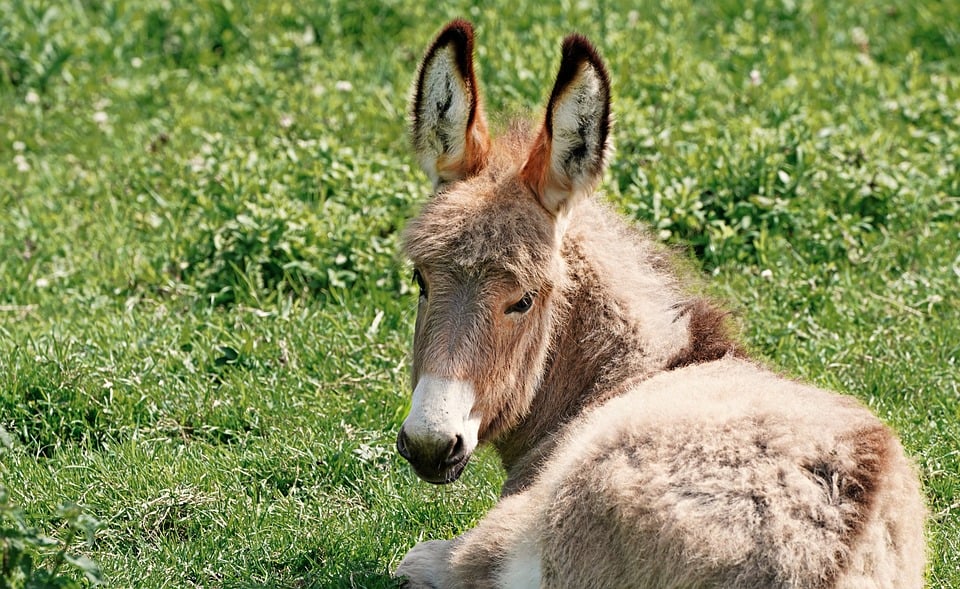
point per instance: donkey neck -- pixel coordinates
(617, 324)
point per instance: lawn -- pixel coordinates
(205, 321)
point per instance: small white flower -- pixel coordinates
(767, 274)
(42, 283)
(755, 78)
(100, 117)
(286, 121)
(19, 146)
(21, 162)
(860, 38)
(344, 86)
(32, 97)
(136, 62)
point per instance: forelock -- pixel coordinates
(484, 229)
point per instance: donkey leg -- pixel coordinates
(427, 566)
(501, 552)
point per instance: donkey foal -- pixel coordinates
(642, 448)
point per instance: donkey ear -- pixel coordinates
(449, 131)
(570, 152)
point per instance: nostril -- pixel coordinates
(403, 445)
(456, 453)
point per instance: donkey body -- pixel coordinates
(642, 448)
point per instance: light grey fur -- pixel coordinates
(642, 448)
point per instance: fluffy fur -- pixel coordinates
(642, 448)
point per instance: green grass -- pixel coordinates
(204, 321)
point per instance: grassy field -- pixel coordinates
(204, 321)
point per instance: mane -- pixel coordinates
(646, 283)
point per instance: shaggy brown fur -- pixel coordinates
(641, 448)
(709, 335)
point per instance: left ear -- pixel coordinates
(569, 154)
(448, 127)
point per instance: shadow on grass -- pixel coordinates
(362, 575)
(366, 579)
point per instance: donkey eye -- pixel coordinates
(418, 278)
(524, 304)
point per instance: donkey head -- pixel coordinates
(487, 246)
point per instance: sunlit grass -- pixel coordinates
(204, 320)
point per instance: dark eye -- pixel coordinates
(418, 278)
(524, 304)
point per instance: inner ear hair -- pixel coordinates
(448, 128)
(579, 106)
(569, 155)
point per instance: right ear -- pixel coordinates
(569, 154)
(449, 130)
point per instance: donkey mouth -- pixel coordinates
(443, 475)
(430, 469)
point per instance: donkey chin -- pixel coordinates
(440, 433)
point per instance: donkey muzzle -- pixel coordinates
(440, 433)
(439, 462)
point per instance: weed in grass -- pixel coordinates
(30, 559)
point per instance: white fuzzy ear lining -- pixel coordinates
(578, 146)
(442, 114)
(567, 158)
(449, 131)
